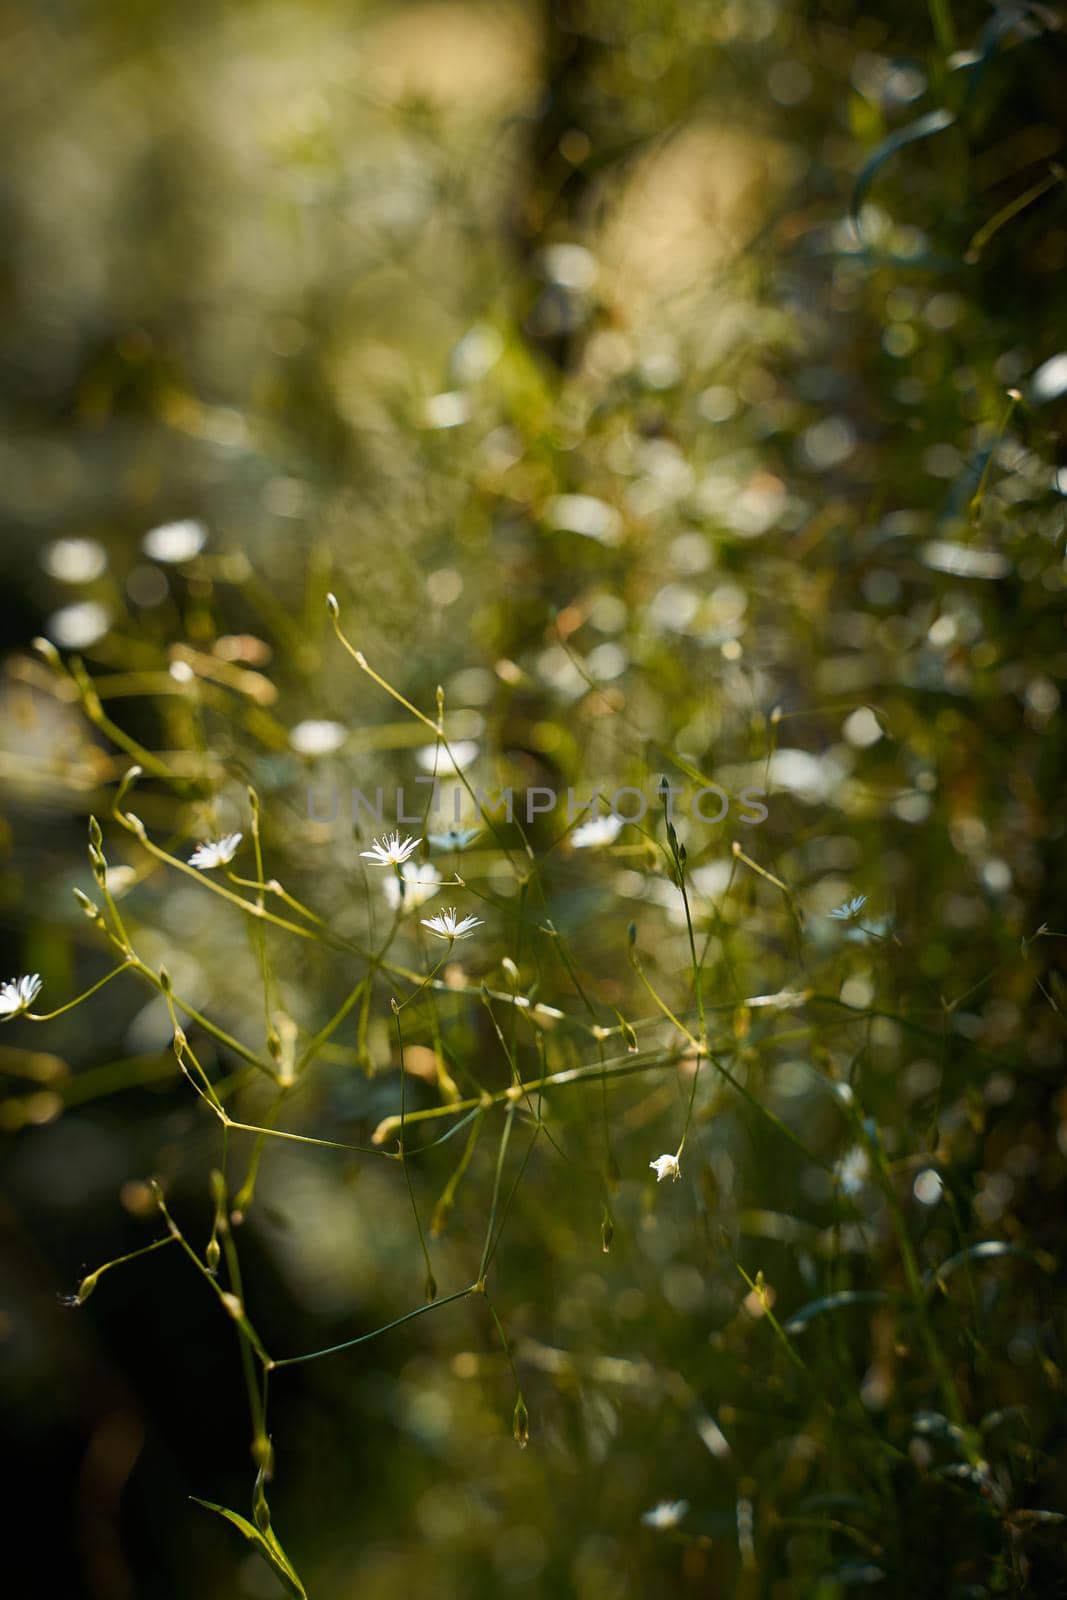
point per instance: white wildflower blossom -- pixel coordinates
(216, 852)
(598, 831)
(18, 995)
(666, 1167)
(850, 909)
(421, 880)
(450, 925)
(668, 1514)
(390, 850)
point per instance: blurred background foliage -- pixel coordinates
(680, 385)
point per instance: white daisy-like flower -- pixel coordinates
(668, 1514)
(390, 850)
(850, 909)
(421, 880)
(666, 1167)
(598, 831)
(450, 925)
(216, 852)
(18, 995)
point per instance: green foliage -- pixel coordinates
(636, 401)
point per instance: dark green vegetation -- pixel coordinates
(664, 390)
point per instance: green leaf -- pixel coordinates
(266, 1543)
(923, 127)
(834, 1302)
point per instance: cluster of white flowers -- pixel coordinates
(414, 884)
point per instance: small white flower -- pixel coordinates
(449, 925)
(666, 1167)
(668, 1514)
(850, 909)
(390, 850)
(175, 541)
(216, 852)
(317, 737)
(18, 995)
(600, 830)
(421, 880)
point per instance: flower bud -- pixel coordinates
(86, 1287)
(520, 1423)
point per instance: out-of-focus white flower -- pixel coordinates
(1050, 379)
(928, 1187)
(852, 1169)
(317, 738)
(421, 880)
(449, 925)
(458, 756)
(78, 626)
(390, 850)
(449, 410)
(18, 995)
(597, 831)
(175, 541)
(454, 839)
(585, 514)
(74, 560)
(668, 1514)
(666, 1167)
(120, 880)
(850, 909)
(216, 852)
